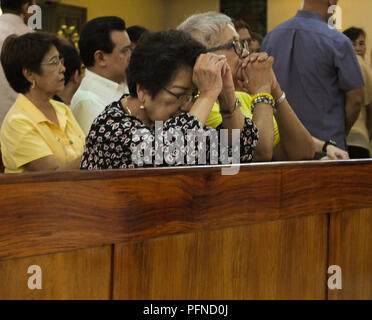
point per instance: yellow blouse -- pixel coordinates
(215, 118)
(27, 135)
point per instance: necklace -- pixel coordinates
(125, 105)
(127, 109)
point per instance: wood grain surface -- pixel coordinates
(48, 213)
(189, 233)
(351, 248)
(273, 260)
(82, 274)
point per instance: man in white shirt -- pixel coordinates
(12, 21)
(105, 50)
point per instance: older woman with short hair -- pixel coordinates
(217, 32)
(38, 133)
(173, 85)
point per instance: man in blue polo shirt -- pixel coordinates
(317, 68)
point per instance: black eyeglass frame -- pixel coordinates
(189, 97)
(245, 44)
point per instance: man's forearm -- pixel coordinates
(353, 106)
(352, 113)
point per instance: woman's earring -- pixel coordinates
(33, 84)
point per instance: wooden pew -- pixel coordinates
(269, 232)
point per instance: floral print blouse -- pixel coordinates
(118, 140)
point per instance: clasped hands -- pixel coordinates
(213, 77)
(256, 75)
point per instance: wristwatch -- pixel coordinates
(237, 105)
(327, 143)
(280, 100)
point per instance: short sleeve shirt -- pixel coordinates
(215, 117)
(27, 135)
(315, 66)
(93, 95)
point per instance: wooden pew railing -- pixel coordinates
(269, 232)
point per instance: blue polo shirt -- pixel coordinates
(315, 65)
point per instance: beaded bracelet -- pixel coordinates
(263, 95)
(263, 98)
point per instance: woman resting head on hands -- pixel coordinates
(171, 80)
(38, 134)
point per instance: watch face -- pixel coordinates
(333, 142)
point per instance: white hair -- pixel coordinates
(206, 27)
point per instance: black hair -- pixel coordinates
(15, 5)
(158, 56)
(354, 33)
(258, 37)
(72, 61)
(96, 35)
(241, 24)
(25, 52)
(136, 32)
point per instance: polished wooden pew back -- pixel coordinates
(270, 232)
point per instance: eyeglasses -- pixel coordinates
(55, 63)
(182, 98)
(238, 45)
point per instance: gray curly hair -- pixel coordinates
(206, 27)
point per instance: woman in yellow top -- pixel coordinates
(37, 134)
(217, 32)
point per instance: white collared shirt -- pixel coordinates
(93, 96)
(9, 24)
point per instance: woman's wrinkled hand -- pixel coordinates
(256, 56)
(258, 76)
(227, 96)
(207, 74)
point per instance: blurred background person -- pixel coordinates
(319, 71)
(360, 134)
(38, 133)
(73, 73)
(358, 39)
(244, 30)
(256, 42)
(12, 21)
(246, 33)
(105, 50)
(135, 33)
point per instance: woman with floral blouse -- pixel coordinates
(173, 86)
